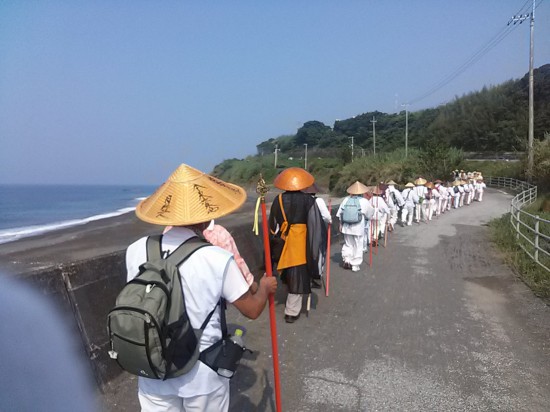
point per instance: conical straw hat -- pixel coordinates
(190, 196)
(391, 182)
(293, 179)
(420, 181)
(357, 188)
(430, 185)
(409, 185)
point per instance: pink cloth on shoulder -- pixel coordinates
(219, 236)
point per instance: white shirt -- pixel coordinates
(356, 229)
(380, 207)
(421, 191)
(391, 189)
(207, 275)
(325, 214)
(409, 196)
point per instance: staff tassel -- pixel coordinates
(262, 189)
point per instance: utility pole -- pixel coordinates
(276, 151)
(373, 121)
(305, 158)
(531, 136)
(406, 128)
(351, 147)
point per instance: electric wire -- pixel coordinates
(481, 52)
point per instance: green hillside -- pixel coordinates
(490, 121)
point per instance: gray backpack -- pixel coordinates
(149, 330)
(351, 212)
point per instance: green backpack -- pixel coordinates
(149, 330)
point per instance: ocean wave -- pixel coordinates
(12, 234)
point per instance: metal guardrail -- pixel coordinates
(532, 232)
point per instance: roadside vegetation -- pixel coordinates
(504, 236)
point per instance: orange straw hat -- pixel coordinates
(420, 181)
(190, 196)
(293, 179)
(430, 185)
(357, 188)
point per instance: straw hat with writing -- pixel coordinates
(293, 179)
(420, 181)
(357, 188)
(190, 196)
(409, 185)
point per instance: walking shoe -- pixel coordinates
(355, 268)
(291, 319)
(346, 265)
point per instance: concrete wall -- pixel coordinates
(88, 289)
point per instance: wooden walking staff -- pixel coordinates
(328, 251)
(261, 189)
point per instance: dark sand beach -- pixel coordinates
(95, 239)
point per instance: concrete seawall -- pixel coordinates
(87, 289)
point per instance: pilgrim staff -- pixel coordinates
(262, 189)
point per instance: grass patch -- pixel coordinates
(534, 275)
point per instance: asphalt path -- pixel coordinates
(436, 323)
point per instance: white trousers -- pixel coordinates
(393, 216)
(352, 249)
(479, 195)
(212, 402)
(421, 210)
(430, 209)
(293, 304)
(407, 214)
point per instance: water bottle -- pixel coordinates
(238, 339)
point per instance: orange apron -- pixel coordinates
(294, 249)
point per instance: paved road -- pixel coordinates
(438, 323)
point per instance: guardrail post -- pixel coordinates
(518, 219)
(537, 239)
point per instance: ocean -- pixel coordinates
(28, 210)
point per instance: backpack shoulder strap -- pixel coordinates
(186, 249)
(154, 250)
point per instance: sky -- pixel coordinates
(122, 92)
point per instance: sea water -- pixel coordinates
(28, 210)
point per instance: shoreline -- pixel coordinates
(95, 238)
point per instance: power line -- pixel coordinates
(481, 52)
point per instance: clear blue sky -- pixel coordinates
(125, 91)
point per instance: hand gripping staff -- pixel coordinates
(261, 189)
(327, 286)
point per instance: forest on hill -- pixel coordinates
(492, 120)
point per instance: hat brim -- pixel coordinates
(188, 197)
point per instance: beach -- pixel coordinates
(94, 239)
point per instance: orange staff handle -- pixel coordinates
(272, 323)
(328, 250)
